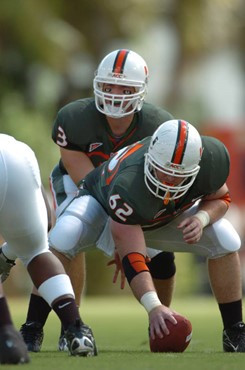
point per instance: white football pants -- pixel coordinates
(85, 225)
(23, 215)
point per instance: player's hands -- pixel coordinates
(192, 229)
(157, 318)
(118, 269)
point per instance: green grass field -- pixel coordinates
(120, 328)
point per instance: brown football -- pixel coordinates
(178, 338)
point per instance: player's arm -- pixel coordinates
(130, 244)
(77, 164)
(211, 208)
(216, 204)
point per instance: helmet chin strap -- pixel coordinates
(167, 195)
(166, 198)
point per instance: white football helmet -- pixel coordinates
(175, 150)
(126, 68)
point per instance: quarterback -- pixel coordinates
(166, 192)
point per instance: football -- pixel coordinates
(178, 338)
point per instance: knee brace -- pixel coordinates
(162, 266)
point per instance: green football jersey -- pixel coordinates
(120, 187)
(80, 126)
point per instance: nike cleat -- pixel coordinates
(32, 333)
(80, 340)
(234, 338)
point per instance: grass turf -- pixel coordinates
(120, 328)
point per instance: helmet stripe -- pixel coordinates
(181, 142)
(120, 61)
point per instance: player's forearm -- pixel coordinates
(130, 245)
(143, 288)
(77, 164)
(141, 284)
(216, 204)
(78, 172)
(215, 208)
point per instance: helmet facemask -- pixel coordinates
(118, 105)
(163, 189)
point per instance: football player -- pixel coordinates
(166, 192)
(87, 132)
(23, 224)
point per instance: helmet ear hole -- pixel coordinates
(126, 68)
(175, 149)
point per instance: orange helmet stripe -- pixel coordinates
(181, 142)
(120, 61)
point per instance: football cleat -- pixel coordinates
(32, 333)
(62, 344)
(234, 338)
(12, 347)
(80, 340)
(5, 266)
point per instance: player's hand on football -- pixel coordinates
(118, 269)
(157, 320)
(192, 229)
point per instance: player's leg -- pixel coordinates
(38, 309)
(48, 276)
(76, 229)
(63, 190)
(77, 274)
(76, 270)
(72, 267)
(225, 279)
(32, 329)
(165, 290)
(24, 227)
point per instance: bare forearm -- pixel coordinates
(216, 209)
(216, 204)
(141, 284)
(77, 164)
